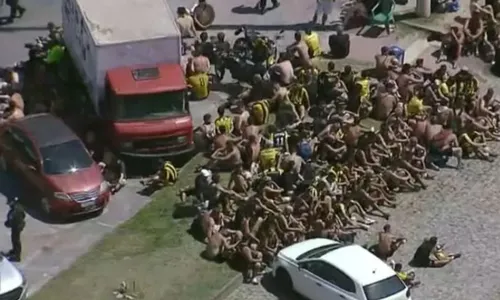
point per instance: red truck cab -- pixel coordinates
(146, 111)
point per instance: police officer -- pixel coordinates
(16, 222)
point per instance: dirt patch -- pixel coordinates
(152, 252)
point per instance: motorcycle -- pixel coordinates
(251, 54)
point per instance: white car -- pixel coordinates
(320, 269)
(12, 282)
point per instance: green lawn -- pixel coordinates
(153, 250)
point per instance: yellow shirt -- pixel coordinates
(170, 173)
(415, 107)
(365, 87)
(260, 112)
(312, 42)
(402, 275)
(199, 85)
(299, 97)
(444, 89)
(226, 122)
(267, 158)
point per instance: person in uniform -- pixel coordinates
(16, 222)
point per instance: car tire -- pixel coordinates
(284, 280)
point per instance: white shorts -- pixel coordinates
(324, 7)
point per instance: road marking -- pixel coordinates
(104, 224)
(30, 258)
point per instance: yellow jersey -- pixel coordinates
(170, 173)
(226, 122)
(299, 97)
(415, 106)
(313, 43)
(402, 275)
(267, 158)
(365, 87)
(260, 112)
(199, 85)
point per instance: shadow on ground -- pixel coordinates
(270, 286)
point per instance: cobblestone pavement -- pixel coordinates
(460, 207)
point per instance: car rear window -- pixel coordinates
(64, 158)
(319, 251)
(384, 288)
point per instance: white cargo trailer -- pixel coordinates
(128, 54)
(103, 35)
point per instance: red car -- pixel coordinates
(54, 161)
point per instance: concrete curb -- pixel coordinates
(229, 287)
(419, 26)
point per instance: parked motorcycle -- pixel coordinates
(251, 54)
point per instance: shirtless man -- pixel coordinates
(238, 181)
(226, 158)
(240, 121)
(282, 72)
(199, 64)
(211, 222)
(291, 228)
(387, 243)
(385, 103)
(301, 51)
(15, 111)
(383, 63)
(222, 138)
(474, 32)
(254, 264)
(219, 245)
(406, 81)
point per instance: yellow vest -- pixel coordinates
(313, 43)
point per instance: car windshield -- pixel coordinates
(64, 158)
(319, 251)
(153, 106)
(384, 288)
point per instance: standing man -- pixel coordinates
(14, 9)
(261, 5)
(16, 222)
(324, 7)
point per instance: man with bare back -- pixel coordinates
(226, 158)
(387, 243)
(238, 182)
(383, 63)
(219, 245)
(406, 81)
(385, 103)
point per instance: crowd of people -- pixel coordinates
(478, 35)
(318, 153)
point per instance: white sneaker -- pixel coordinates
(392, 263)
(369, 221)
